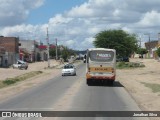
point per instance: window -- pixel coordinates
(101, 56)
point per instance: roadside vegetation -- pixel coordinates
(141, 51)
(129, 65)
(124, 43)
(62, 52)
(155, 87)
(10, 81)
(158, 52)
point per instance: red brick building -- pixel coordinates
(10, 48)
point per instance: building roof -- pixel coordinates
(151, 44)
(45, 46)
(42, 47)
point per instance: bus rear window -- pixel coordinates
(101, 56)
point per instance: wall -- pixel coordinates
(11, 48)
(152, 45)
(31, 47)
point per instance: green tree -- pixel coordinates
(141, 51)
(158, 52)
(52, 52)
(125, 44)
(66, 53)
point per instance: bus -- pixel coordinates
(100, 66)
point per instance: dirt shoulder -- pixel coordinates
(37, 66)
(134, 81)
(48, 73)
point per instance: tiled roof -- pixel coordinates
(42, 47)
(45, 46)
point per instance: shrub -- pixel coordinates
(9, 82)
(122, 65)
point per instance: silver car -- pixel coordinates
(20, 65)
(69, 69)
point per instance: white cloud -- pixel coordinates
(70, 42)
(94, 30)
(14, 12)
(32, 4)
(78, 26)
(80, 11)
(150, 19)
(116, 12)
(59, 19)
(88, 42)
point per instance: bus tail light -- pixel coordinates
(112, 70)
(89, 70)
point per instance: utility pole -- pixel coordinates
(48, 47)
(149, 46)
(158, 37)
(35, 51)
(56, 50)
(140, 40)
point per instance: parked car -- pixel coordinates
(122, 59)
(21, 65)
(69, 69)
(126, 59)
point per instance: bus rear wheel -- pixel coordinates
(110, 82)
(89, 82)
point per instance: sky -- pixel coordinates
(74, 23)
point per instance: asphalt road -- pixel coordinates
(70, 93)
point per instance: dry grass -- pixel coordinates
(10, 81)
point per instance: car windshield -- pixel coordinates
(68, 66)
(20, 62)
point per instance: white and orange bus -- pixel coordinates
(100, 65)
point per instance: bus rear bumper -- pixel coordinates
(90, 77)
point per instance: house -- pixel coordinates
(44, 52)
(152, 47)
(2, 55)
(9, 50)
(29, 50)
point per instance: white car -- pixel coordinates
(69, 69)
(20, 65)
